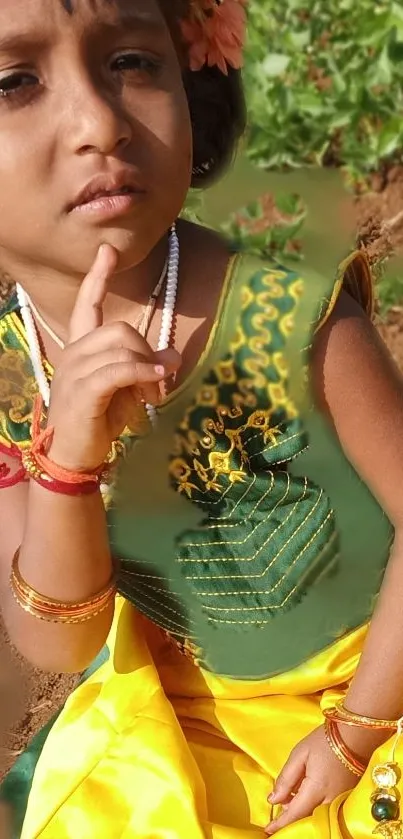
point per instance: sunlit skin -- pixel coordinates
(84, 94)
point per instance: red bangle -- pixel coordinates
(341, 751)
(34, 471)
(8, 478)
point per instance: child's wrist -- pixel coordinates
(363, 741)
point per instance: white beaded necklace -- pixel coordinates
(164, 336)
(142, 324)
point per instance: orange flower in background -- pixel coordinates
(215, 34)
(195, 38)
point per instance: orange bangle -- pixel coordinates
(54, 611)
(33, 470)
(340, 750)
(47, 473)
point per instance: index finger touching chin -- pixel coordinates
(88, 309)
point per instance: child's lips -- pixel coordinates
(108, 205)
(112, 191)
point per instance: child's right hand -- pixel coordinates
(103, 372)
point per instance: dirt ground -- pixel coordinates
(28, 698)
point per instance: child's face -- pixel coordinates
(82, 94)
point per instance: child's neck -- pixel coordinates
(54, 294)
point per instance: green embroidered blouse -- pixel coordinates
(255, 562)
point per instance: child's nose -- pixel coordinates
(94, 123)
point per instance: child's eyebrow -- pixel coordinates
(131, 20)
(128, 16)
(15, 40)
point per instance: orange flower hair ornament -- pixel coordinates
(214, 32)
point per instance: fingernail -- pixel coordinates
(159, 369)
(271, 797)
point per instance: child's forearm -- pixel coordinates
(64, 556)
(377, 687)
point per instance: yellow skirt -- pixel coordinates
(151, 747)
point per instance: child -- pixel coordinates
(109, 110)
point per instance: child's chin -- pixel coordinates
(132, 247)
(130, 252)
(133, 243)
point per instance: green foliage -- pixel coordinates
(324, 83)
(193, 209)
(324, 87)
(390, 293)
(275, 235)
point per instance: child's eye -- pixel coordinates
(133, 62)
(16, 84)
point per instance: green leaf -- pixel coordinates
(390, 137)
(275, 64)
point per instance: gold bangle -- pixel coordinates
(350, 718)
(54, 611)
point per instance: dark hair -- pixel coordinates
(218, 117)
(216, 105)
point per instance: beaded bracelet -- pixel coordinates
(340, 750)
(47, 473)
(54, 611)
(69, 486)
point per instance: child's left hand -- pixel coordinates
(312, 776)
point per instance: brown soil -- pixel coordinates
(29, 697)
(384, 206)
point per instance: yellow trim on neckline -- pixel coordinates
(211, 340)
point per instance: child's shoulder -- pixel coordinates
(281, 288)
